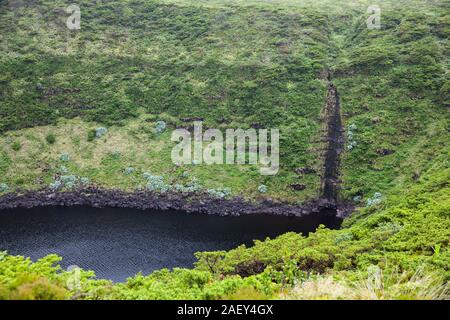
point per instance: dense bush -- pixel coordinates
(16, 146)
(156, 183)
(64, 157)
(3, 187)
(50, 138)
(262, 189)
(160, 127)
(219, 193)
(91, 135)
(100, 132)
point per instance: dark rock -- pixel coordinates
(191, 119)
(56, 91)
(280, 44)
(223, 120)
(324, 74)
(385, 152)
(85, 107)
(143, 200)
(251, 268)
(298, 187)
(305, 170)
(376, 120)
(256, 126)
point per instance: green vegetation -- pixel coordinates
(409, 232)
(136, 63)
(16, 146)
(50, 138)
(233, 64)
(142, 68)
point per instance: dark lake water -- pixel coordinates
(117, 243)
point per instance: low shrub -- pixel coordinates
(350, 136)
(219, 193)
(84, 181)
(160, 127)
(16, 146)
(376, 199)
(64, 157)
(3, 187)
(100, 132)
(115, 154)
(55, 185)
(91, 135)
(156, 183)
(50, 138)
(262, 189)
(69, 181)
(63, 170)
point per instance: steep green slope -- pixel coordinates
(394, 88)
(233, 64)
(233, 67)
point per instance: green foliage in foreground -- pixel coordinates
(408, 232)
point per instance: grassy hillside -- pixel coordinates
(240, 64)
(234, 64)
(138, 62)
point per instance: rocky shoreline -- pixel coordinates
(144, 200)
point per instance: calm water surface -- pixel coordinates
(118, 243)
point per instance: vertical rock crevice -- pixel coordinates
(334, 146)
